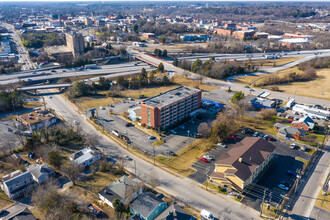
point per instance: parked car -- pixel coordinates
(128, 124)
(151, 137)
(53, 71)
(221, 145)
(173, 132)
(3, 211)
(289, 172)
(126, 157)
(170, 153)
(266, 137)
(208, 157)
(206, 215)
(303, 148)
(233, 137)
(203, 159)
(255, 134)
(281, 186)
(9, 129)
(260, 135)
(292, 146)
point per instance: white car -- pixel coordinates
(207, 157)
(127, 157)
(292, 146)
(222, 145)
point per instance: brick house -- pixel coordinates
(305, 123)
(289, 131)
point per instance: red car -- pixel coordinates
(234, 137)
(203, 159)
(128, 124)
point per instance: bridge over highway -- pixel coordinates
(47, 86)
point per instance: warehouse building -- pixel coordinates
(170, 107)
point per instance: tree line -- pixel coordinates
(210, 68)
(11, 101)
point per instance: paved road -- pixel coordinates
(225, 84)
(182, 188)
(304, 205)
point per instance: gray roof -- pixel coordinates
(37, 170)
(25, 214)
(120, 189)
(174, 212)
(24, 176)
(85, 154)
(170, 96)
(264, 102)
(145, 204)
(291, 131)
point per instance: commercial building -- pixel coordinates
(311, 111)
(151, 36)
(170, 107)
(262, 103)
(293, 42)
(17, 184)
(195, 37)
(76, 43)
(240, 166)
(88, 21)
(38, 119)
(243, 34)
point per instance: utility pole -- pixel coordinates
(135, 167)
(97, 119)
(263, 200)
(154, 155)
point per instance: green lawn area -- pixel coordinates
(302, 160)
(310, 150)
(266, 126)
(159, 142)
(5, 201)
(186, 157)
(323, 202)
(94, 183)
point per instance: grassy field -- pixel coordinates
(260, 125)
(318, 88)
(186, 157)
(5, 201)
(323, 202)
(102, 100)
(272, 62)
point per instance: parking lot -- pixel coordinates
(8, 140)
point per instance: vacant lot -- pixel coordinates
(323, 202)
(272, 62)
(101, 98)
(186, 157)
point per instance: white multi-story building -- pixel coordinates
(311, 111)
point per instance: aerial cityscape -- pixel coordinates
(164, 110)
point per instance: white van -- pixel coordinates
(206, 214)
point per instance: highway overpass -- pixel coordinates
(47, 86)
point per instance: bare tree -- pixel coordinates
(72, 171)
(204, 129)
(186, 74)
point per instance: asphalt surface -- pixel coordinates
(178, 186)
(8, 140)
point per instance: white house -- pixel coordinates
(17, 184)
(41, 172)
(86, 157)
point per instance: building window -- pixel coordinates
(148, 115)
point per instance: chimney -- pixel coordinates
(240, 159)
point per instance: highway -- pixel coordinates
(234, 86)
(121, 71)
(183, 188)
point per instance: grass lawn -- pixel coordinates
(271, 62)
(323, 202)
(310, 150)
(186, 157)
(302, 160)
(5, 201)
(272, 212)
(260, 125)
(157, 143)
(94, 183)
(96, 101)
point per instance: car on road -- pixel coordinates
(222, 145)
(282, 186)
(151, 137)
(53, 71)
(126, 157)
(207, 157)
(246, 86)
(203, 159)
(128, 124)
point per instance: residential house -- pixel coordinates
(38, 119)
(289, 131)
(20, 214)
(147, 206)
(126, 189)
(86, 157)
(17, 184)
(242, 164)
(174, 212)
(304, 123)
(41, 172)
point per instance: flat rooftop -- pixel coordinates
(57, 49)
(170, 96)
